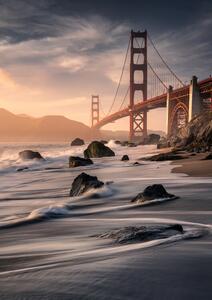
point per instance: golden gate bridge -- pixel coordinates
(152, 84)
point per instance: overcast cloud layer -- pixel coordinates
(55, 54)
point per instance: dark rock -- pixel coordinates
(208, 157)
(164, 157)
(83, 183)
(152, 192)
(133, 234)
(75, 161)
(22, 169)
(136, 163)
(97, 149)
(77, 142)
(125, 158)
(117, 142)
(29, 154)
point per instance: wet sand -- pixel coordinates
(194, 165)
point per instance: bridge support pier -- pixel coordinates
(195, 103)
(168, 111)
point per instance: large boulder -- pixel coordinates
(83, 183)
(75, 161)
(196, 135)
(152, 192)
(77, 142)
(125, 157)
(97, 149)
(29, 154)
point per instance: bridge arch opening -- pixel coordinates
(179, 117)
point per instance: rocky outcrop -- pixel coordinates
(125, 157)
(75, 161)
(77, 142)
(196, 135)
(151, 139)
(83, 183)
(97, 149)
(163, 143)
(152, 192)
(29, 154)
(164, 157)
(132, 234)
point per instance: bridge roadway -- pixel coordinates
(205, 87)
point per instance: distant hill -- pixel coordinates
(49, 128)
(24, 128)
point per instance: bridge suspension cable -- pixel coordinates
(165, 63)
(120, 79)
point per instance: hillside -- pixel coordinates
(49, 128)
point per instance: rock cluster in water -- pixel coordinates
(29, 154)
(75, 161)
(142, 233)
(83, 183)
(98, 149)
(152, 192)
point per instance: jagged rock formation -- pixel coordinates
(197, 135)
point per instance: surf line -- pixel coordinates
(109, 251)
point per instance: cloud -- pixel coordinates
(6, 80)
(56, 61)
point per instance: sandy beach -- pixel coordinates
(62, 257)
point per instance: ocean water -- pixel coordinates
(49, 244)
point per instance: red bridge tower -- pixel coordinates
(138, 120)
(94, 110)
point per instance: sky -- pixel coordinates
(54, 54)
